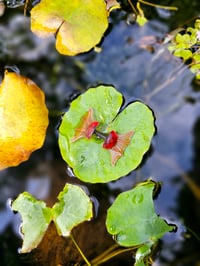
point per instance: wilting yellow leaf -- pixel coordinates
(78, 25)
(23, 119)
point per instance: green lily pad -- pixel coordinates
(73, 208)
(132, 219)
(36, 218)
(78, 25)
(133, 222)
(89, 160)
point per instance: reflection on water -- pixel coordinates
(137, 64)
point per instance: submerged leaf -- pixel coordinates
(36, 218)
(73, 208)
(23, 119)
(78, 25)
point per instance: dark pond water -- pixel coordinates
(135, 61)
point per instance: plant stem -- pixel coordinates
(110, 253)
(159, 6)
(100, 134)
(55, 113)
(79, 250)
(132, 6)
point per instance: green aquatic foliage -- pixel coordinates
(36, 218)
(100, 139)
(100, 142)
(185, 45)
(73, 208)
(139, 12)
(133, 222)
(78, 25)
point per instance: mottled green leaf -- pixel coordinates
(89, 160)
(35, 220)
(73, 208)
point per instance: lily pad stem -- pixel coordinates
(173, 8)
(79, 250)
(100, 134)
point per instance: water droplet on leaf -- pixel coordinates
(121, 237)
(112, 229)
(137, 198)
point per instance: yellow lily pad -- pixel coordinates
(78, 25)
(23, 119)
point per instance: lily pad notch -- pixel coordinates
(78, 25)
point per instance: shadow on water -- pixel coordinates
(137, 64)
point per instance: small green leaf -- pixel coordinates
(193, 34)
(196, 58)
(182, 53)
(132, 219)
(89, 160)
(186, 46)
(36, 218)
(141, 20)
(73, 208)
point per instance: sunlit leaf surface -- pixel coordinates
(23, 119)
(73, 208)
(133, 222)
(78, 25)
(89, 160)
(35, 220)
